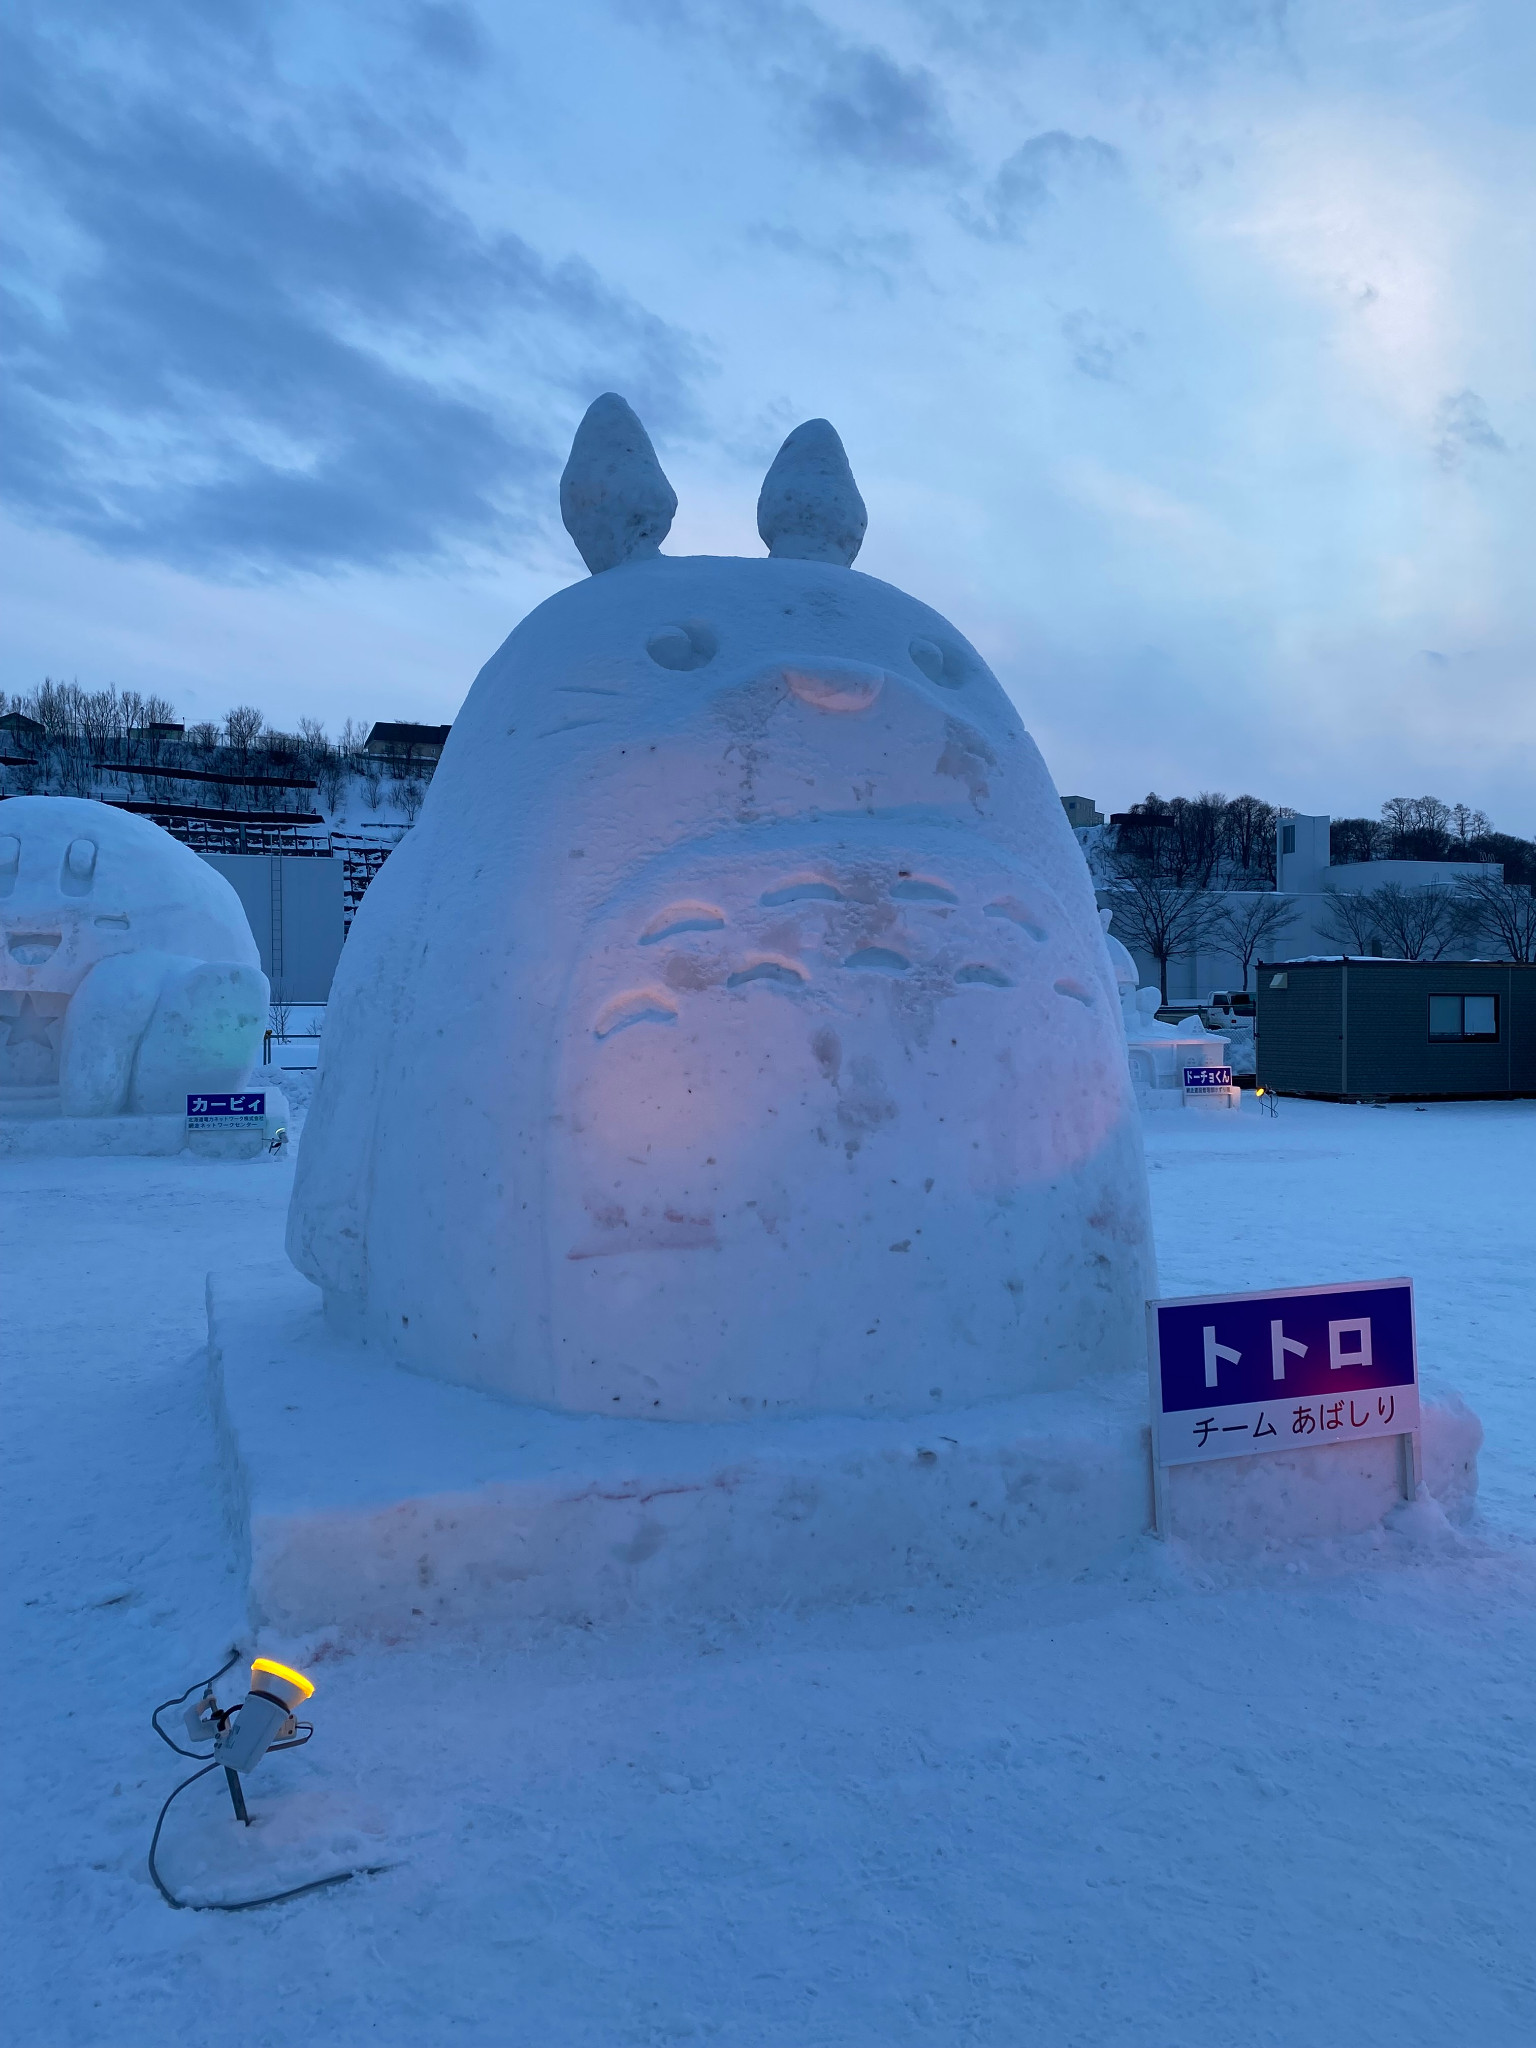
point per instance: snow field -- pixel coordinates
(1289, 1800)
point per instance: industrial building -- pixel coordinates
(296, 905)
(1393, 1030)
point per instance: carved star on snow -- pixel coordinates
(30, 1026)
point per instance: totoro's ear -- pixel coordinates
(809, 509)
(616, 503)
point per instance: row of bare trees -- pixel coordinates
(1479, 914)
(1214, 841)
(1435, 921)
(1425, 828)
(1208, 841)
(1169, 920)
(97, 742)
(1193, 874)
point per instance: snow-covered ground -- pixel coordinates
(1174, 1802)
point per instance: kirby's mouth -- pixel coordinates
(31, 949)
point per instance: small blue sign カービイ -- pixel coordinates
(1206, 1080)
(242, 1112)
(1284, 1370)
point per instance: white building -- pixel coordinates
(1305, 877)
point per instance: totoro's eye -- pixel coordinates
(689, 644)
(946, 665)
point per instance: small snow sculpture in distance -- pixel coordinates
(128, 973)
(614, 497)
(809, 509)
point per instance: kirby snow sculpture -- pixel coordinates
(734, 1034)
(129, 976)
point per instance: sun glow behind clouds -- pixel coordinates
(1184, 361)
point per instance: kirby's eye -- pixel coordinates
(688, 644)
(10, 861)
(79, 869)
(939, 664)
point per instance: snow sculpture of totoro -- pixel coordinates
(129, 976)
(734, 1034)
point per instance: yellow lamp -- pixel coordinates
(265, 1715)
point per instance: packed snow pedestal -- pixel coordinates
(371, 1500)
(129, 979)
(734, 1034)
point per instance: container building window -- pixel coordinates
(1463, 1020)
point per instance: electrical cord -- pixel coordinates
(316, 1884)
(207, 1684)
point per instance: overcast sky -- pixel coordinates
(1184, 350)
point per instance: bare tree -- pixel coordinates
(1166, 919)
(1504, 913)
(1355, 839)
(1248, 842)
(1468, 825)
(1246, 927)
(1416, 924)
(241, 726)
(410, 796)
(1349, 920)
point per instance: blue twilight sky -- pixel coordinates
(1183, 349)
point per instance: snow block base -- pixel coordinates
(373, 1500)
(1157, 1101)
(369, 1499)
(136, 1137)
(92, 1137)
(1235, 1507)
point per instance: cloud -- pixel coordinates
(1033, 177)
(240, 342)
(1189, 38)
(854, 102)
(883, 259)
(1100, 344)
(449, 33)
(1464, 428)
(877, 112)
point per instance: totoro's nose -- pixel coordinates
(31, 949)
(835, 685)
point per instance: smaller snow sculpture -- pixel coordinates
(1125, 972)
(1159, 1053)
(128, 977)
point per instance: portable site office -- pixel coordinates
(1406, 1029)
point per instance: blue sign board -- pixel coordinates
(1201, 1080)
(1284, 1370)
(226, 1112)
